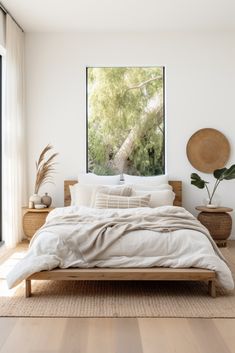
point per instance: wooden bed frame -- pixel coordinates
(126, 274)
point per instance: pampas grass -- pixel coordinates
(44, 168)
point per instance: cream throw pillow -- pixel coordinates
(81, 194)
(113, 201)
(158, 197)
(118, 190)
(84, 194)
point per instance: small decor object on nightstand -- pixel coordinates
(34, 199)
(39, 206)
(220, 175)
(218, 221)
(31, 204)
(46, 200)
(44, 170)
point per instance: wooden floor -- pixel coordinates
(81, 335)
(39, 335)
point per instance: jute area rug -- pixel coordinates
(120, 299)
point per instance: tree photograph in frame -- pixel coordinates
(125, 120)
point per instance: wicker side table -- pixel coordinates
(33, 219)
(218, 221)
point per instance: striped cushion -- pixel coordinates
(118, 190)
(113, 201)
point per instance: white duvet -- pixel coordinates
(139, 248)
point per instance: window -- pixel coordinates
(125, 120)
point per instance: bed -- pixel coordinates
(128, 274)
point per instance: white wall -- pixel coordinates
(200, 81)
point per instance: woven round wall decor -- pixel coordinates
(208, 149)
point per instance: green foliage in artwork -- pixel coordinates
(125, 109)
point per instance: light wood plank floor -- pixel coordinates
(81, 335)
(58, 335)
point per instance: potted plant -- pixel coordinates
(44, 170)
(220, 175)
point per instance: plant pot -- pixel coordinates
(210, 205)
(215, 202)
(219, 224)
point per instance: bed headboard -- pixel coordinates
(176, 185)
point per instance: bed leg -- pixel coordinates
(27, 288)
(212, 289)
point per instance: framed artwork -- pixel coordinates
(125, 120)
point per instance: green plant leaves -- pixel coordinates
(230, 173)
(197, 181)
(225, 173)
(218, 173)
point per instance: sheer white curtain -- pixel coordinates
(14, 189)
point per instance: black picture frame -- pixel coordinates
(164, 117)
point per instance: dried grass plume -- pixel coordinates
(44, 168)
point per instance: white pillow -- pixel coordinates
(91, 178)
(113, 201)
(81, 194)
(153, 180)
(84, 194)
(158, 198)
(150, 187)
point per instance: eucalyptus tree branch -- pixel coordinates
(142, 84)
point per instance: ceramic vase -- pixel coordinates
(35, 198)
(46, 200)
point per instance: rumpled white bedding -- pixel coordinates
(139, 248)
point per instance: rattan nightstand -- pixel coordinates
(217, 221)
(33, 219)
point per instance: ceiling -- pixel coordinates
(122, 15)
